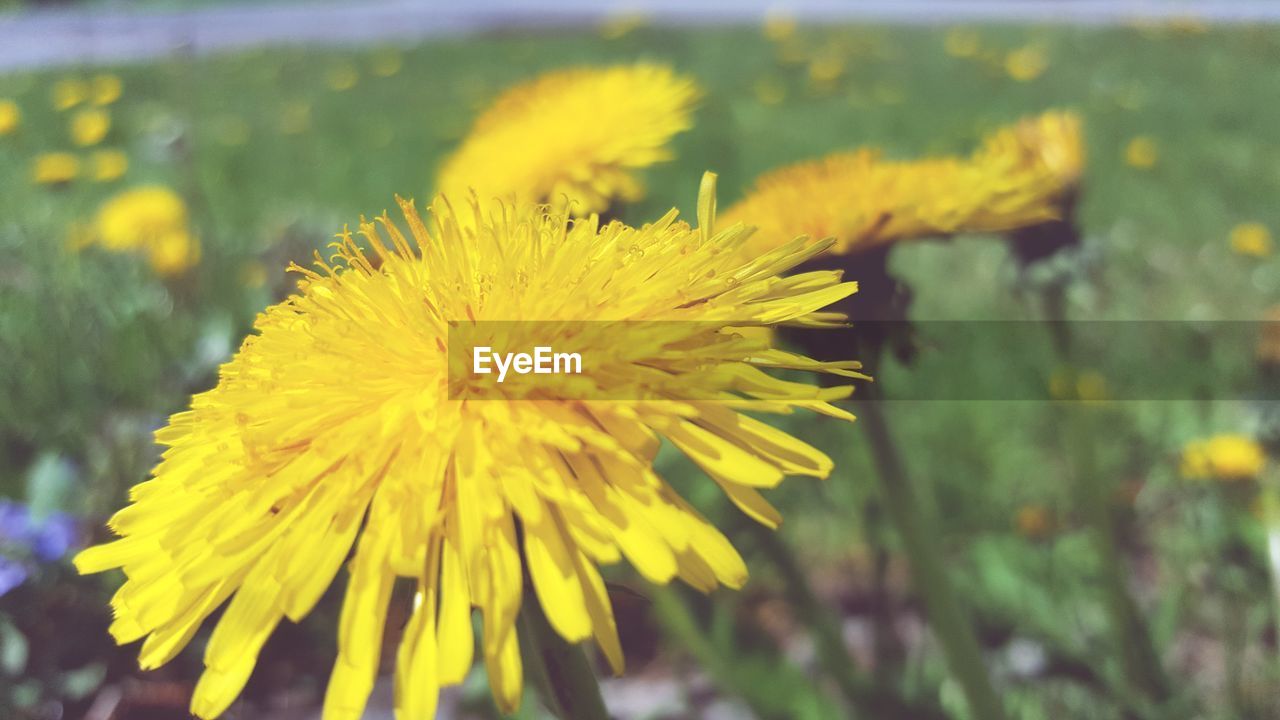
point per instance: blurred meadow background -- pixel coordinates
(252, 159)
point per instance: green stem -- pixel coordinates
(865, 697)
(1137, 652)
(947, 617)
(560, 669)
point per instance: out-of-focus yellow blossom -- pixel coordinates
(1223, 457)
(295, 117)
(769, 91)
(139, 217)
(253, 274)
(1026, 63)
(579, 135)
(826, 67)
(230, 130)
(10, 116)
(173, 253)
(1252, 239)
(961, 42)
(622, 24)
(108, 165)
(68, 93)
(1034, 522)
(1019, 176)
(1141, 152)
(779, 26)
(387, 62)
(89, 126)
(342, 76)
(55, 168)
(106, 89)
(331, 434)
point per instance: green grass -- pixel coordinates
(97, 351)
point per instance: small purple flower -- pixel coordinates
(15, 521)
(12, 574)
(48, 538)
(53, 537)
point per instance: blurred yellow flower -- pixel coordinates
(578, 135)
(108, 165)
(779, 26)
(620, 24)
(10, 116)
(106, 89)
(961, 42)
(1252, 239)
(342, 76)
(769, 91)
(173, 253)
(387, 62)
(140, 217)
(288, 466)
(55, 168)
(89, 126)
(826, 67)
(253, 274)
(68, 93)
(230, 130)
(1019, 176)
(1223, 457)
(1141, 152)
(295, 117)
(1026, 63)
(1034, 522)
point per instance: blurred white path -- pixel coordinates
(105, 34)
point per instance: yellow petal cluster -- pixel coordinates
(89, 126)
(152, 219)
(55, 168)
(579, 134)
(331, 428)
(1019, 176)
(10, 116)
(1223, 457)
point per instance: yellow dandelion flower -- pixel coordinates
(576, 134)
(173, 253)
(108, 165)
(295, 117)
(1223, 457)
(1252, 239)
(779, 27)
(68, 93)
(140, 217)
(89, 127)
(10, 116)
(1141, 152)
(387, 62)
(1034, 522)
(961, 42)
(1026, 63)
(55, 168)
(332, 428)
(106, 89)
(1018, 177)
(342, 76)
